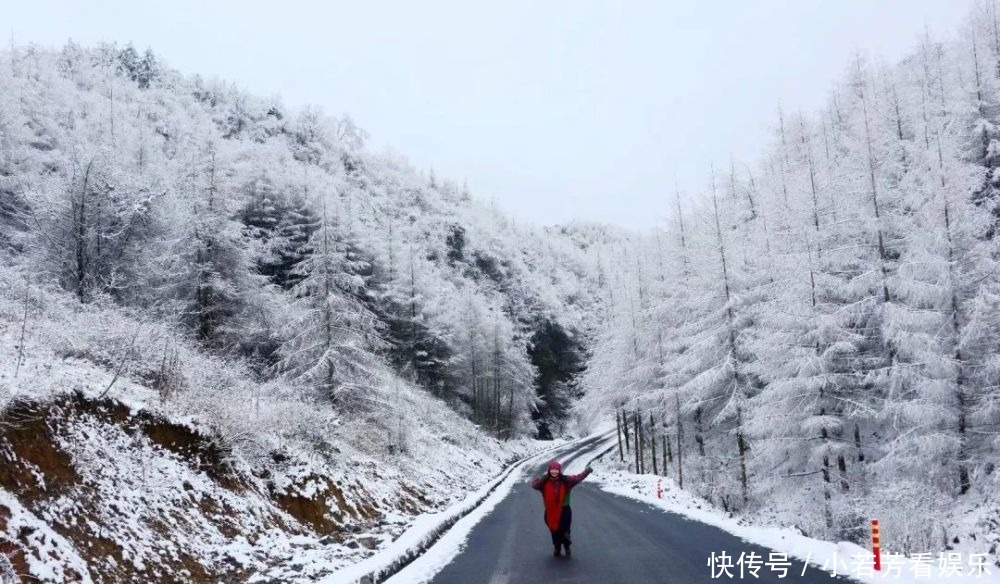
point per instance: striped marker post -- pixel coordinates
(876, 550)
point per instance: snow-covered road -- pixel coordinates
(616, 539)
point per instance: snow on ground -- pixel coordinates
(430, 524)
(110, 475)
(453, 541)
(850, 559)
(53, 559)
(157, 508)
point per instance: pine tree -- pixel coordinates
(217, 265)
(332, 338)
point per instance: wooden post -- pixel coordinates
(876, 545)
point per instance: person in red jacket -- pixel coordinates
(555, 488)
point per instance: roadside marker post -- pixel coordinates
(659, 489)
(876, 547)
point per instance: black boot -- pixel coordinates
(566, 546)
(557, 552)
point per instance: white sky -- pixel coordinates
(558, 110)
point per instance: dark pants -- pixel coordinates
(565, 521)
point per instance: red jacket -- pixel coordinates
(556, 495)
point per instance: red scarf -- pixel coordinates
(553, 493)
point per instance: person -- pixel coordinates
(555, 488)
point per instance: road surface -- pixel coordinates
(615, 539)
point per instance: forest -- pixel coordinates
(271, 242)
(816, 339)
(812, 337)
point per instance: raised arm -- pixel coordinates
(573, 480)
(537, 482)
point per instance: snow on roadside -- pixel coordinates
(849, 558)
(451, 543)
(158, 507)
(427, 525)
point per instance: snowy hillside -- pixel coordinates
(240, 346)
(106, 478)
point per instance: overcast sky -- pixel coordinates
(557, 110)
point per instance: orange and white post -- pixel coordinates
(876, 550)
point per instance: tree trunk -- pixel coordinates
(413, 317)
(842, 467)
(680, 225)
(857, 442)
(80, 239)
(652, 444)
(812, 174)
(680, 437)
(638, 445)
(874, 191)
(750, 191)
(741, 446)
(827, 512)
(698, 437)
(618, 432)
(628, 445)
(392, 259)
(996, 39)
(496, 377)
(736, 378)
(666, 454)
(784, 157)
(641, 442)
(510, 413)
(732, 181)
(24, 326)
(964, 481)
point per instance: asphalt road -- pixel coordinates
(615, 539)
